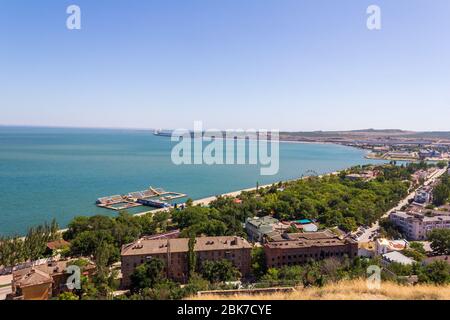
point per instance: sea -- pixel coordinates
(59, 173)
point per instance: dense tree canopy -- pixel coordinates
(331, 200)
(15, 250)
(441, 193)
(440, 241)
(219, 271)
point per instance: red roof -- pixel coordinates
(58, 244)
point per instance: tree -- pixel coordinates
(440, 241)
(348, 224)
(15, 250)
(313, 275)
(147, 275)
(442, 164)
(196, 283)
(259, 267)
(437, 272)
(389, 230)
(219, 271)
(68, 296)
(441, 194)
(189, 202)
(192, 256)
(418, 246)
(163, 290)
(413, 254)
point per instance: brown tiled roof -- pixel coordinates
(32, 278)
(145, 246)
(58, 244)
(53, 267)
(49, 269)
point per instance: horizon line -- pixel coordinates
(152, 129)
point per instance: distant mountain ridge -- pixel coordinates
(398, 133)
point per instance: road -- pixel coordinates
(365, 237)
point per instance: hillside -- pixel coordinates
(365, 134)
(352, 290)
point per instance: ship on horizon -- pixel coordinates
(163, 132)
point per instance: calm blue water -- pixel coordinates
(48, 173)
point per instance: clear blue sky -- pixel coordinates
(286, 64)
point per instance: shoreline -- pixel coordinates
(207, 200)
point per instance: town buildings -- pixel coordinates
(297, 248)
(174, 253)
(384, 245)
(429, 153)
(366, 175)
(417, 225)
(268, 228)
(42, 282)
(259, 229)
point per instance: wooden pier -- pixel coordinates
(133, 199)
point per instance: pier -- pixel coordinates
(153, 197)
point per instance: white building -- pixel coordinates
(397, 257)
(385, 246)
(417, 226)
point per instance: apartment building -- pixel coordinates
(298, 248)
(416, 226)
(174, 253)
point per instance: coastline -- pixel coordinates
(65, 207)
(207, 200)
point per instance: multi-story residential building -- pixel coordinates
(416, 226)
(299, 248)
(174, 253)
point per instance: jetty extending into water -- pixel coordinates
(152, 197)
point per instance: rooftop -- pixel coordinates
(58, 244)
(303, 240)
(259, 222)
(322, 235)
(33, 277)
(397, 257)
(159, 246)
(437, 215)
